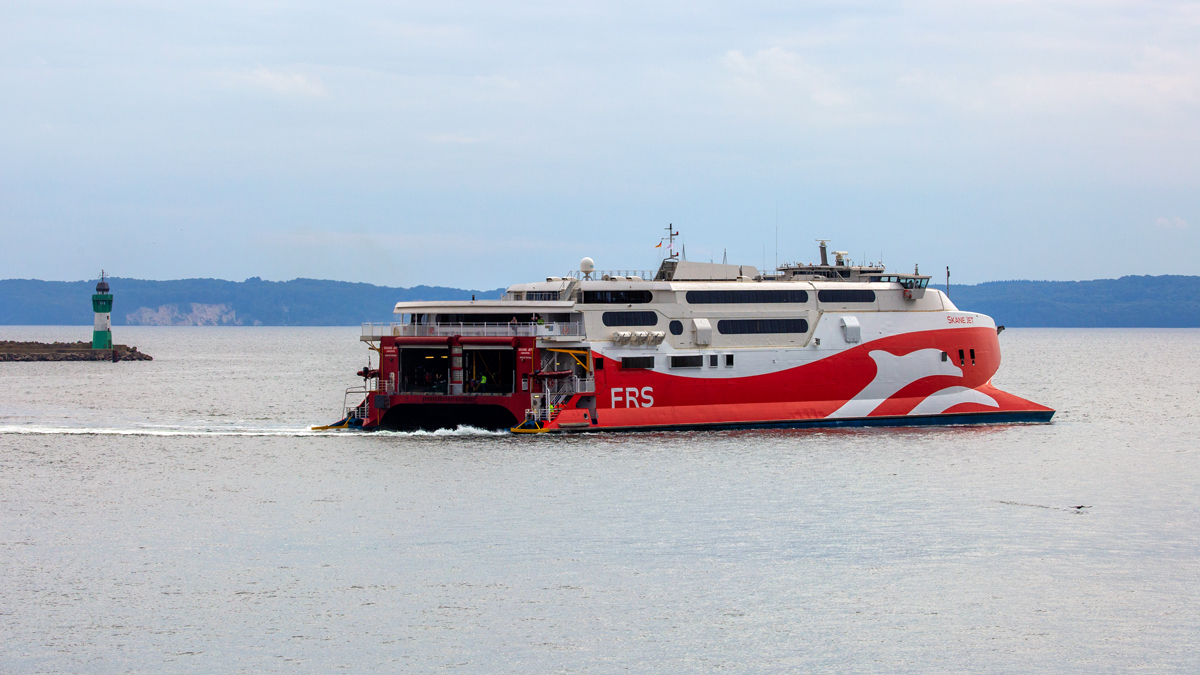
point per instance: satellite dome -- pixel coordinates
(587, 266)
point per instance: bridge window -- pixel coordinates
(845, 295)
(676, 328)
(541, 296)
(630, 318)
(687, 361)
(745, 297)
(617, 297)
(756, 326)
(634, 362)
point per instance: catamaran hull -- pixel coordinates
(920, 378)
(951, 419)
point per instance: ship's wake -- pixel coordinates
(224, 431)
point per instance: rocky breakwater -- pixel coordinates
(67, 351)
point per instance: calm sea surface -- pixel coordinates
(176, 516)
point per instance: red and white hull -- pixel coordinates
(896, 380)
(911, 378)
(695, 345)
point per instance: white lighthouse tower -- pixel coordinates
(102, 306)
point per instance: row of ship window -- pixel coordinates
(724, 326)
(837, 295)
(690, 361)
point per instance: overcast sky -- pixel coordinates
(481, 144)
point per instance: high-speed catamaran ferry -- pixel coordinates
(690, 345)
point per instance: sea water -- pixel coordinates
(178, 516)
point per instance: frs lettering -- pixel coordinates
(632, 397)
(960, 319)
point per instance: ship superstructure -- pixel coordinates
(690, 345)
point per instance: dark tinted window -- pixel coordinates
(630, 362)
(630, 318)
(845, 295)
(617, 297)
(729, 359)
(906, 283)
(687, 361)
(753, 326)
(676, 328)
(743, 297)
(712, 361)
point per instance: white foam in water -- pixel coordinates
(149, 431)
(158, 430)
(462, 430)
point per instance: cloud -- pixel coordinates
(777, 73)
(1176, 223)
(277, 82)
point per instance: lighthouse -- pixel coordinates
(102, 306)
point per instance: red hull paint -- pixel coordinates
(814, 391)
(389, 367)
(888, 380)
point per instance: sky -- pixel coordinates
(477, 145)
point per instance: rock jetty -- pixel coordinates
(67, 351)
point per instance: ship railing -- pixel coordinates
(569, 385)
(359, 396)
(377, 330)
(541, 414)
(388, 386)
(609, 275)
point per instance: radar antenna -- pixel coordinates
(824, 256)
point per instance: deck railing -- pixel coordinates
(600, 275)
(569, 385)
(472, 329)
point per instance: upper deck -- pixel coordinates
(634, 306)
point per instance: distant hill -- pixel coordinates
(1128, 302)
(1162, 302)
(253, 302)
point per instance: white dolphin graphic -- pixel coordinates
(949, 397)
(893, 373)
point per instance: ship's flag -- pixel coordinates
(659, 245)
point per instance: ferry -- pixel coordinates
(691, 345)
